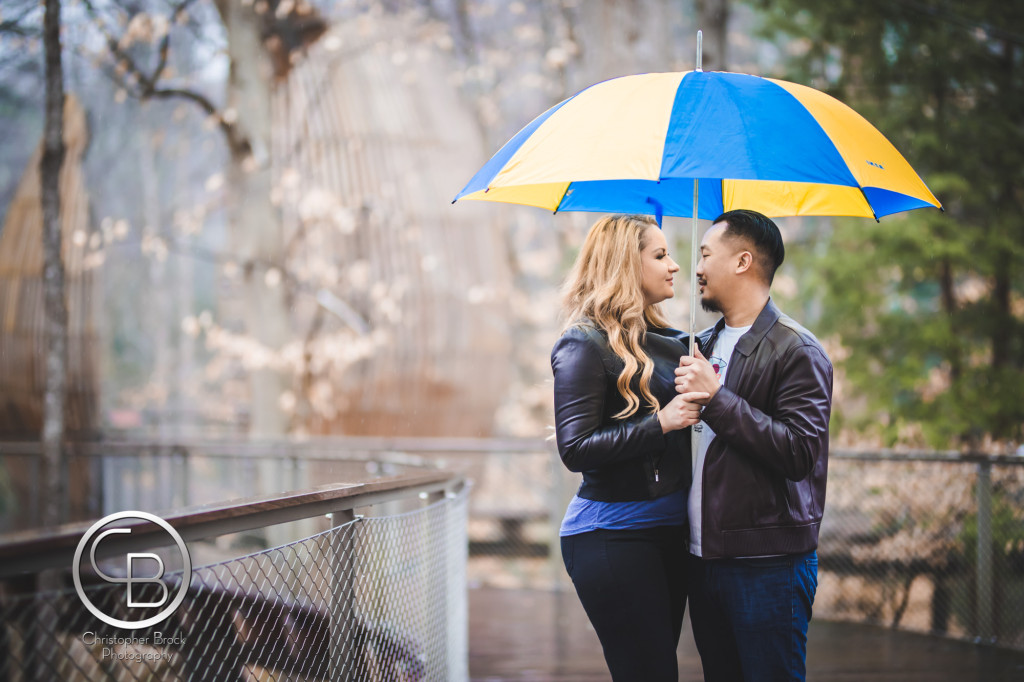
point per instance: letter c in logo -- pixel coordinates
(131, 578)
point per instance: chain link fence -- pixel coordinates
(932, 545)
(929, 542)
(374, 598)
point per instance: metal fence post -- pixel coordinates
(35, 504)
(556, 508)
(984, 591)
(344, 663)
(184, 476)
(435, 586)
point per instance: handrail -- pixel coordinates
(917, 455)
(35, 551)
(409, 447)
(286, 447)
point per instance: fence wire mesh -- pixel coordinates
(931, 544)
(899, 541)
(927, 546)
(378, 598)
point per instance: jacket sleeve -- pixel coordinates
(584, 442)
(791, 440)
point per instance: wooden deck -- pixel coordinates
(545, 636)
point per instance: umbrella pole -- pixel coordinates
(693, 226)
(693, 268)
(694, 433)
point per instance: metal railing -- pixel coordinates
(925, 541)
(378, 597)
(519, 486)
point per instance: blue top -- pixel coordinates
(583, 516)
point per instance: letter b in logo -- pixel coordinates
(132, 578)
(135, 563)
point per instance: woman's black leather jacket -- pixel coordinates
(621, 459)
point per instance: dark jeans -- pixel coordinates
(750, 616)
(632, 584)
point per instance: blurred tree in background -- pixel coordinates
(925, 311)
(260, 42)
(929, 306)
(21, 101)
(200, 288)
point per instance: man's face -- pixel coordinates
(716, 268)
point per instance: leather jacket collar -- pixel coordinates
(766, 319)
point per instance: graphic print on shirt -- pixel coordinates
(719, 365)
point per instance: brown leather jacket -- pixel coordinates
(764, 473)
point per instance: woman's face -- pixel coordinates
(657, 268)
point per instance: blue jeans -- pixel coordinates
(750, 616)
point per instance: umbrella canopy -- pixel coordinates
(636, 144)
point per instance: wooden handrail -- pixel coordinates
(342, 447)
(337, 446)
(34, 551)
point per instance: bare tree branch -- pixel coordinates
(122, 58)
(14, 26)
(238, 142)
(19, 25)
(146, 85)
(165, 42)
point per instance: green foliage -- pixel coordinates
(928, 306)
(1007, 554)
(1007, 531)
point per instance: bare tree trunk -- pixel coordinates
(713, 19)
(1001, 297)
(54, 492)
(56, 313)
(256, 224)
(1003, 290)
(184, 278)
(464, 42)
(949, 306)
(159, 319)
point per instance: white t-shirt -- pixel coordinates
(721, 355)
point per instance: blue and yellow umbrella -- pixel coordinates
(663, 143)
(636, 144)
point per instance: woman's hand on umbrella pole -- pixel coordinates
(695, 374)
(682, 411)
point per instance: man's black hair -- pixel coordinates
(761, 233)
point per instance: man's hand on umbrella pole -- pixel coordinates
(696, 375)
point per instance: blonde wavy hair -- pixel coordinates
(605, 288)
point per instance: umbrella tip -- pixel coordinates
(700, 50)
